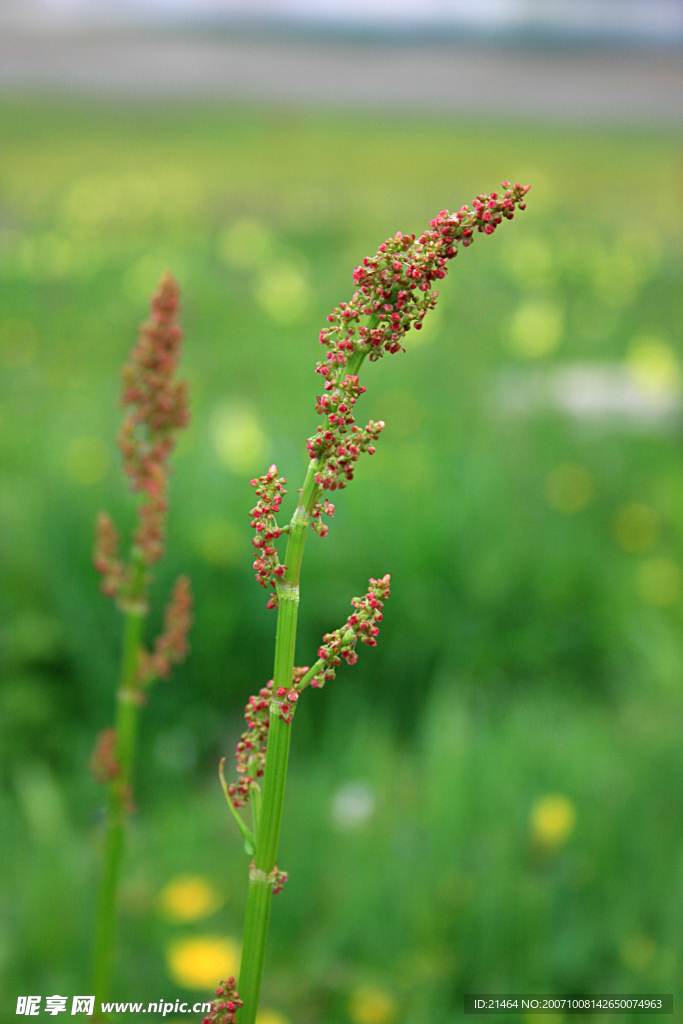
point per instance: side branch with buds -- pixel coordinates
(393, 294)
(157, 408)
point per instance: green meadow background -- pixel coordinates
(490, 801)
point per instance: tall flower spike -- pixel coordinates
(158, 407)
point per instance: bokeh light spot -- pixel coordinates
(283, 292)
(552, 820)
(536, 329)
(369, 1005)
(659, 582)
(353, 804)
(86, 460)
(654, 366)
(237, 436)
(569, 488)
(188, 898)
(243, 244)
(197, 962)
(636, 527)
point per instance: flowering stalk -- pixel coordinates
(393, 294)
(157, 405)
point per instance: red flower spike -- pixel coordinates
(171, 647)
(360, 625)
(250, 753)
(270, 491)
(103, 763)
(226, 1004)
(395, 287)
(157, 409)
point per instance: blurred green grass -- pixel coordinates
(532, 645)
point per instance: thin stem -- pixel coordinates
(118, 805)
(248, 835)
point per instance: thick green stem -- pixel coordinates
(261, 879)
(277, 755)
(118, 805)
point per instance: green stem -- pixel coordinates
(277, 756)
(118, 805)
(261, 880)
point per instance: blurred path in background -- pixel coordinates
(587, 83)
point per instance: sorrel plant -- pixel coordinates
(157, 409)
(393, 294)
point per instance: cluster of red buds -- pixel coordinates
(103, 762)
(324, 507)
(250, 753)
(279, 878)
(394, 286)
(270, 490)
(171, 647)
(339, 442)
(361, 625)
(226, 1005)
(106, 557)
(276, 878)
(158, 408)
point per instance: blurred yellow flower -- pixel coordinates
(370, 1005)
(552, 820)
(201, 962)
(636, 527)
(188, 898)
(659, 581)
(569, 487)
(271, 1017)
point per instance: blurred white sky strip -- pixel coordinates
(178, 48)
(653, 20)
